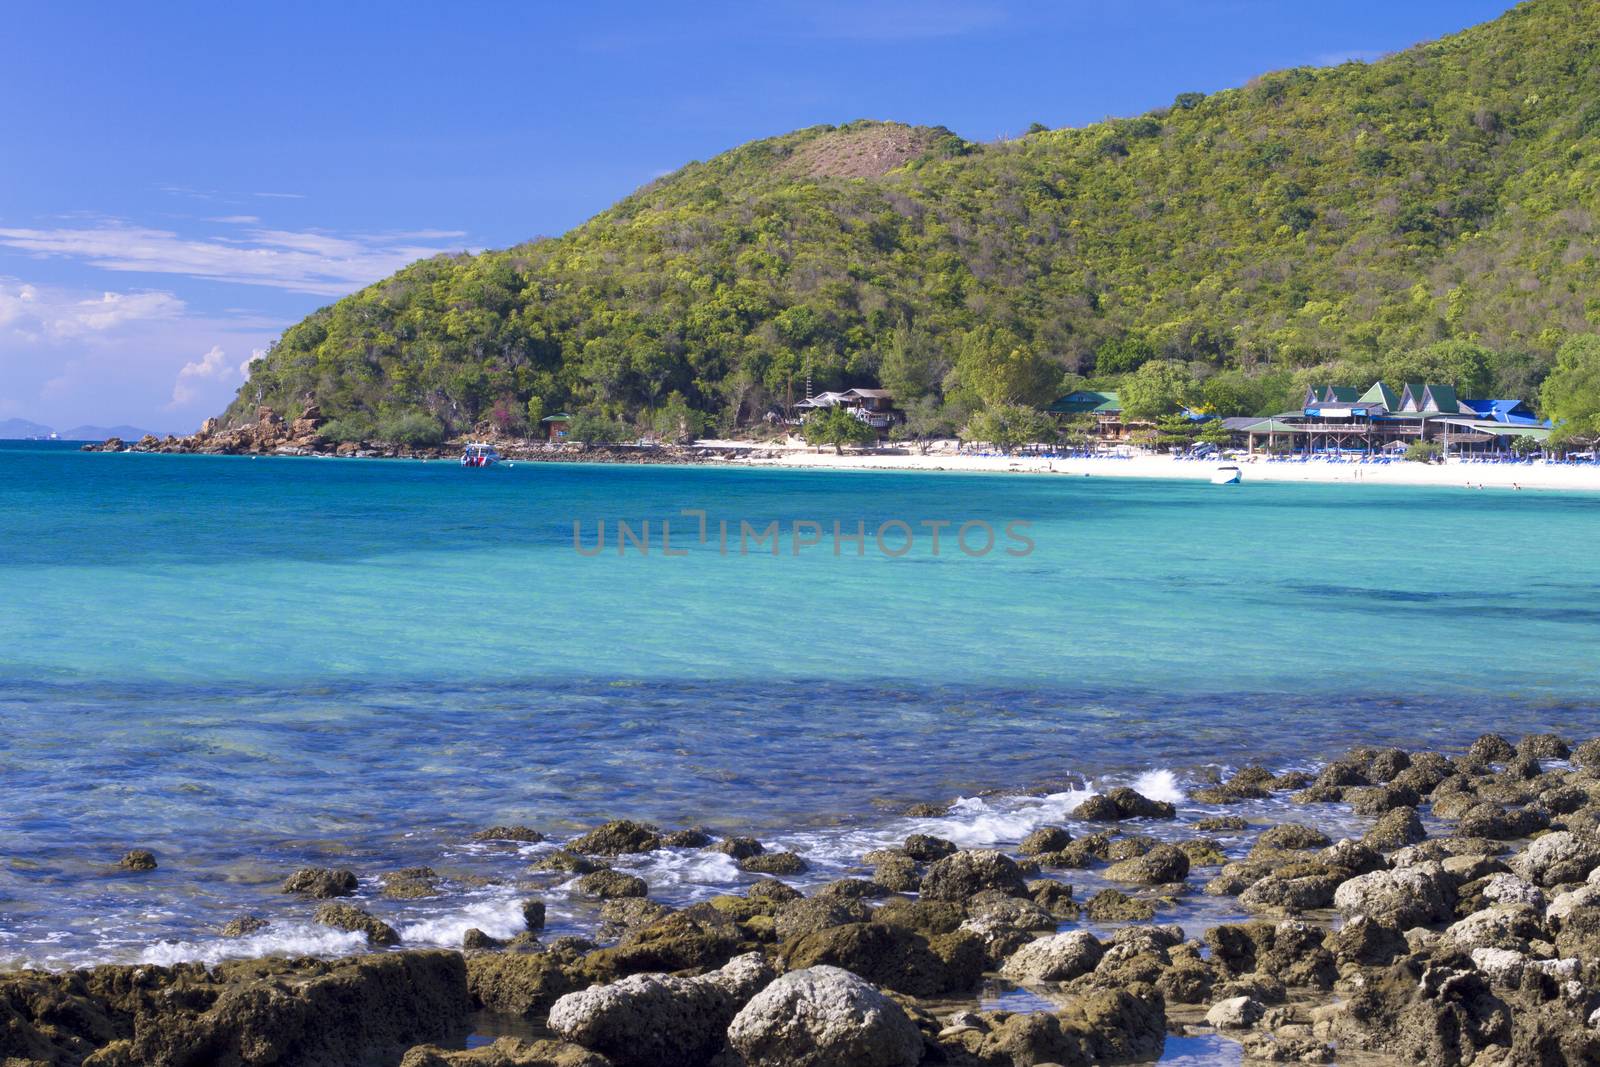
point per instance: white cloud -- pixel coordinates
(213, 366)
(69, 357)
(255, 354)
(236, 220)
(281, 196)
(33, 313)
(299, 261)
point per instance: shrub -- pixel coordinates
(355, 427)
(1424, 451)
(594, 429)
(412, 429)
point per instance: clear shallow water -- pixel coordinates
(247, 665)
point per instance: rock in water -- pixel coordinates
(651, 1019)
(522, 835)
(1045, 839)
(740, 848)
(351, 918)
(1123, 803)
(773, 863)
(1235, 1013)
(959, 876)
(1160, 865)
(894, 957)
(506, 1052)
(824, 1017)
(612, 885)
(1059, 958)
(244, 926)
(138, 859)
(927, 848)
(321, 882)
(616, 838)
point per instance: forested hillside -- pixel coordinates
(1430, 215)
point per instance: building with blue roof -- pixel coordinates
(1345, 419)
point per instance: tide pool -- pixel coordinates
(251, 664)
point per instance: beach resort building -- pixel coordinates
(1336, 419)
(875, 407)
(1106, 409)
(555, 426)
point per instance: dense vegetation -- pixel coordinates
(1428, 216)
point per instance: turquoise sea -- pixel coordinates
(248, 665)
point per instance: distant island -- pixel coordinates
(27, 430)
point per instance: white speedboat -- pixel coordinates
(1226, 475)
(479, 455)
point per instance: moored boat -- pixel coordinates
(477, 454)
(1228, 474)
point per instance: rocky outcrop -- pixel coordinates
(1401, 899)
(961, 874)
(894, 957)
(612, 885)
(1559, 857)
(615, 838)
(824, 1017)
(1123, 803)
(515, 835)
(1101, 1027)
(379, 934)
(321, 882)
(651, 1019)
(773, 863)
(520, 983)
(313, 1013)
(1158, 866)
(1059, 958)
(506, 1052)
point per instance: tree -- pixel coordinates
(1571, 394)
(1215, 432)
(1176, 430)
(1462, 364)
(676, 421)
(412, 429)
(1424, 451)
(1010, 426)
(1119, 355)
(592, 429)
(1233, 392)
(1157, 388)
(910, 368)
(1081, 431)
(1526, 445)
(836, 426)
(997, 367)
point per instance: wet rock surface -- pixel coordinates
(321, 882)
(1452, 917)
(365, 1010)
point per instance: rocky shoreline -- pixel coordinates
(272, 435)
(1461, 927)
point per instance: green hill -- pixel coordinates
(1315, 224)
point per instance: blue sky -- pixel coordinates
(181, 181)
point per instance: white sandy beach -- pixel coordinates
(1457, 474)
